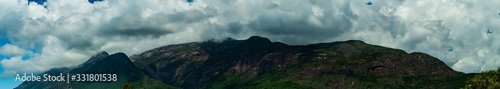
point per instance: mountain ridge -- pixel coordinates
(257, 56)
(118, 65)
(259, 63)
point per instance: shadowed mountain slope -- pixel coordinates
(102, 63)
(259, 63)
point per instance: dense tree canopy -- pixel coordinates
(488, 79)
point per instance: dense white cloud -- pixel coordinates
(12, 50)
(54, 55)
(67, 32)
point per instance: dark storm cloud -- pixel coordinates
(77, 42)
(187, 16)
(300, 28)
(136, 32)
(298, 25)
(131, 25)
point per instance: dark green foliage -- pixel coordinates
(485, 80)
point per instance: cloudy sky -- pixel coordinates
(35, 37)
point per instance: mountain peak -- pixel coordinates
(354, 41)
(117, 66)
(119, 54)
(258, 39)
(100, 55)
(118, 62)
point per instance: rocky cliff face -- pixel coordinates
(259, 63)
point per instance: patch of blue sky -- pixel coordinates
(4, 41)
(1, 69)
(9, 82)
(93, 1)
(369, 3)
(40, 2)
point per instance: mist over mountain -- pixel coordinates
(258, 62)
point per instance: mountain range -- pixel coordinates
(259, 63)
